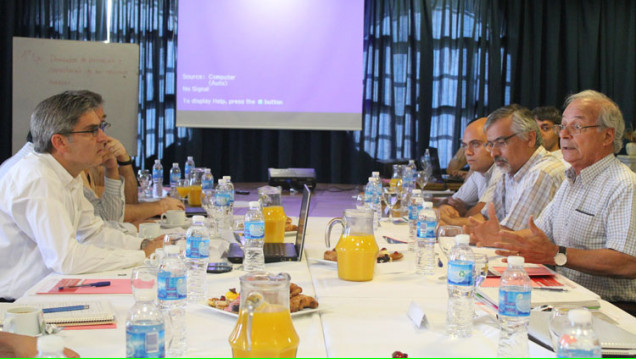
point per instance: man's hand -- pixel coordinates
(169, 203)
(23, 346)
(117, 149)
(153, 245)
(448, 211)
(484, 233)
(459, 206)
(531, 244)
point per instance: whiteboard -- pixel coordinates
(45, 67)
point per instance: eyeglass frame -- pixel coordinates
(499, 141)
(473, 145)
(102, 126)
(574, 129)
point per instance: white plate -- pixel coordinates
(186, 224)
(235, 315)
(325, 262)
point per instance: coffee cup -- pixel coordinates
(175, 217)
(156, 257)
(149, 230)
(631, 148)
(24, 320)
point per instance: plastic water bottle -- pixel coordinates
(172, 289)
(175, 175)
(461, 263)
(145, 326)
(189, 165)
(378, 191)
(369, 195)
(579, 340)
(426, 229)
(221, 204)
(197, 254)
(254, 259)
(515, 289)
(207, 181)
(50, 346)
(157, 179)
(416, 203)
(230, 210)
(427, 165)
(408, 176)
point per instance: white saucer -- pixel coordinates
(186, 224)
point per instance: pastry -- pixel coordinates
(331, 255)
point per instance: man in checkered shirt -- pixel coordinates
(589, 229)
(531, 174)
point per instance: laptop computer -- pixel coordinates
(281, 252)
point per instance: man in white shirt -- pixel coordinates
(46, 225)
(532, 175)
(469, 199)
(547, 117)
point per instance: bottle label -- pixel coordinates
(514, 303)
(175, 177)
(254, 230)
(197, 247)
(222, 199)
(171, 288)
(460, 273)
(426, 229)
(145, 341)
(188, 168)
(157, 175)
(413, 211)
(207, 184)
(368, 196)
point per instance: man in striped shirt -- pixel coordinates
(531, 174)
(589, 230)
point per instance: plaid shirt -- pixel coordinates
(527, 192)
(476, 185)
(594, 210)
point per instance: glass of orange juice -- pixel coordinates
(183, 189)
(273, 213)
(357, 249)
(264, 328)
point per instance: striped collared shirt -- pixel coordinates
(527, 192)
(595, 210)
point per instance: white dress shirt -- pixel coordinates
(595, 210)
(11, 161)
(475, 187)
(47, 225)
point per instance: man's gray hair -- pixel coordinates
(58, 114)
(522, 121)
(609, 115)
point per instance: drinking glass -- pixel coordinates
(176, 239)
(143, 282)
(559, 322)
(183, 189)
(145, 182)
(422, 179)
(446, 238)
(391, 196)
(481, 269)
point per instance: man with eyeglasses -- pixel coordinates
(471, 196)
(588, 231)
(547, 117)
(531, 174)
(46, 224)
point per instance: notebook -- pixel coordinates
(281, 252)
(615, 341)
(98, 313)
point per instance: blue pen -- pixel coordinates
(64, 309)
(96, 284)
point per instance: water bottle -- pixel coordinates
(157, 179)
(408, 176)
(416, 203)
(207, 181)
(369, 194)
(221, 204)
(254, 233)
(145, 325)
(461, 263)
(579, 340)
(172, 292)
(50, 346)
(427, 165)
(230, 210)
(196, 257)
(378, 196)
(514, 310)
(175, 175)
(426, 229)
(189, 165)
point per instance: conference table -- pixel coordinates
(354, 319)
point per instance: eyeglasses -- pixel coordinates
(499, 142)
(473, 145)
(574, 129)
(94, 131)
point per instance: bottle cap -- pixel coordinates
(516, 261)
(580, 316)
(175, 164)
(198, 219)
(190, 158)
(229, 178)
(50, 344)
(375, 174)
(157, 161)
(371, 179)
(416, 191)
(427, 204)
(171, 249)
(254, 205)
(461, 238)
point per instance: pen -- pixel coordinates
(96, 284)
(551, 289)
(64, 309)
(394, 240)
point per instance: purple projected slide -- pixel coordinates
(270, 56)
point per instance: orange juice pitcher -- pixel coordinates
(357, 249)
(273, 213)
(264, 327)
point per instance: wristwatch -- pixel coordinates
(125, 163)
(144, 243)
(561, 257)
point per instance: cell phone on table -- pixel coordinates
(219, 268)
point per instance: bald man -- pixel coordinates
(474, 192)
